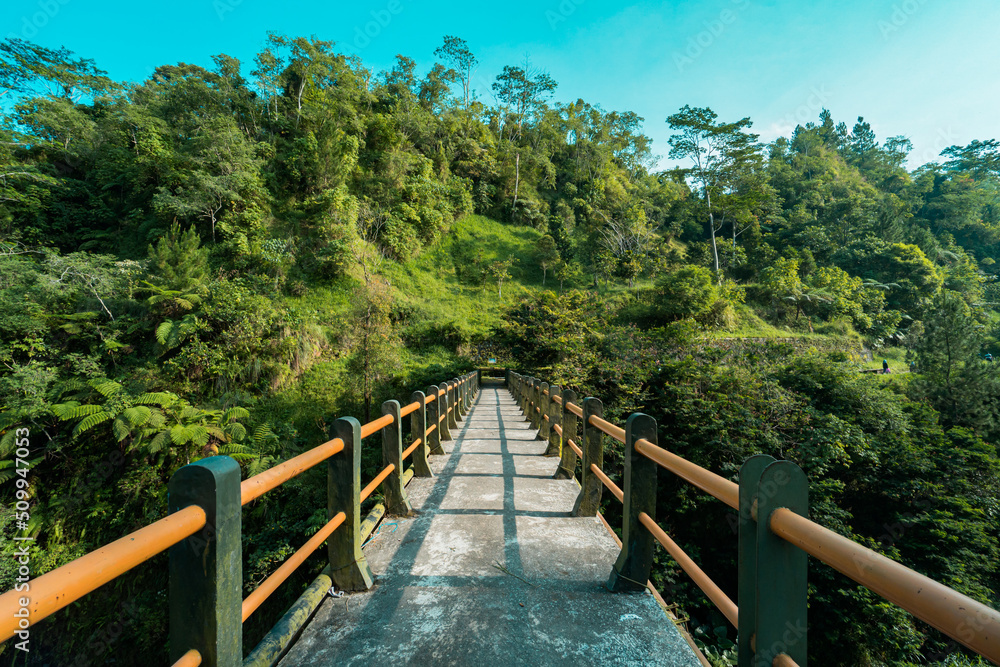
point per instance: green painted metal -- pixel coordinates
(348, 566)
(589, 501)
(567, 461)
(418, 426)
(746, 599)
(206, 569)
(433, 413)
(554, 411)
(781, 612)
(631, 570)
(392, 453)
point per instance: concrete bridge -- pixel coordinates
(489, 548)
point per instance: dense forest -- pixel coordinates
(225, 260)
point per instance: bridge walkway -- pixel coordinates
(491, 570)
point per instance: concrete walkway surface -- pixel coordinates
(492, 570)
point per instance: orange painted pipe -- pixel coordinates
(56, 589)
(782, 660)
(429, 399)
(575, 448)
(575, 409)
(412, 407)
(412, 448)
(190, 659)
(557, 399)
(698, 576)
(557, 428)
(960, 617)
(431, 429)
(719, 487)
(608, 428)
(376, 426)
(258, 485)
(269, 585)
(372, 485)
(618, 493)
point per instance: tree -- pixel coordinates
(455, 52)
(500, 270)
(546, 254)
(719, 152)
(960, 385)
(179, 260)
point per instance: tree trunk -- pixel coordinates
(517, 181)
(711, 228)
(544, 271)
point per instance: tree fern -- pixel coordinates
(91, 421)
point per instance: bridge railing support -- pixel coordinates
(772, 585)
(348, 566)
(635, 561)
(396, 501)
(567, 460)
(418, 429)
(544, 397)
(554, 414)
(589, 501)
(206, 569)
(434, 412)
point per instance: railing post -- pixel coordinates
(522, 393)
(443, 416)
(780, 588)
(348, 565)
(567, 462)
(418, 429)
(631, 570)
(746, 600)
(206, 569)
(553, 410)
(536, 391)
(396, 501)
(589, 500)
(543, 404)
(434, 419)
(453, 404)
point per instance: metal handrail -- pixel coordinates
(190, 659)
(66, 584)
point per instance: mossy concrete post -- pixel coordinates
(567, 462)
(453, 404)
(781, 614)
(443, 416)
(529, 399)
(746, 599)
(348, 567)
(519, 392)
(433, 419)
(418, 429)
(533, 413)
(591, 487)
(554, 412)
(522, 394)
(543, 402)
(396, 501)
(631, 570)
(206, 569)
(463, 389)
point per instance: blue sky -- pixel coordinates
(926, 69)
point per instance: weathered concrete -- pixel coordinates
(493, 570)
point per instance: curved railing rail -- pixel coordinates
(203, 533)
(775, 533)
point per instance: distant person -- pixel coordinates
(989, 357)
(913, 367)
(885, 366)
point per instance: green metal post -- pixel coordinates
(631, 570)
(418, 428)
(206, 569)
(567, 462)
(554, 412)
(433, 417)
(348, 566)
(396, 501)
(781, 568)
(746, 599)
(589, 500)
